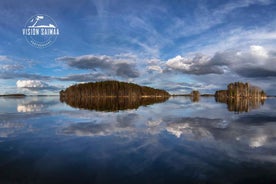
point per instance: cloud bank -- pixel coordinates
(254, 62)
(103, 64)
(198, 65)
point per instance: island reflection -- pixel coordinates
(240, 105)
(112, 104)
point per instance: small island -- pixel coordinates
(241, 90)
(17, 95)
(195, 96)
(241, 97)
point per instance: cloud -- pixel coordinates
(85, 77)
(34, 85)
(109, 65)
(4, 58)
(12, 67)
(254, 62)
(126, 70)
(88, 62)
(30, 84)
(197, 65)
(154, 68)
(258, 51)
(10, 74)
(8, 64)
(203, 18)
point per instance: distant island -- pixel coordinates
(195, 96)
(111, 89)
(13, 95)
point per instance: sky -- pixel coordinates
(176, 45)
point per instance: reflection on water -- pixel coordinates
(238, 105)
(195, 98)
(8, 128)
(175, 142)
(29, 107)
(112, 104)
(241, 104)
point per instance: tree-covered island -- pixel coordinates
(241, 97)
(111, 96)
(111, 89)
(241, 90)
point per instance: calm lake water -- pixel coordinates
(178, 141)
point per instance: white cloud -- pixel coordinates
(34, 85)
(179, 62)
(31, 84)
(198, 65)
(155, 68)
(263, 35)
(12, 67)
(258, 51)
(255, 61)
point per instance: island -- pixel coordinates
(241, 97)
(241, 90)
(111, 96)
(111, 89)
(17, 95)
(195, 96)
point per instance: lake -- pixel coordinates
(178, 140)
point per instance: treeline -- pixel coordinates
(111, 89)
(240, 90)
(14, 95)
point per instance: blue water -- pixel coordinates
(45, 141)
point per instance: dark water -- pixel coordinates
(45, 141)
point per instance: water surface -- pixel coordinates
(45, 141)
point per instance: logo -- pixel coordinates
(40, 31)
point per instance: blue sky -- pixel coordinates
(175, 45)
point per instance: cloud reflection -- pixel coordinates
(122, 125)
(236, 137)
(30, 108)
(8, 128)
(35, 104)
